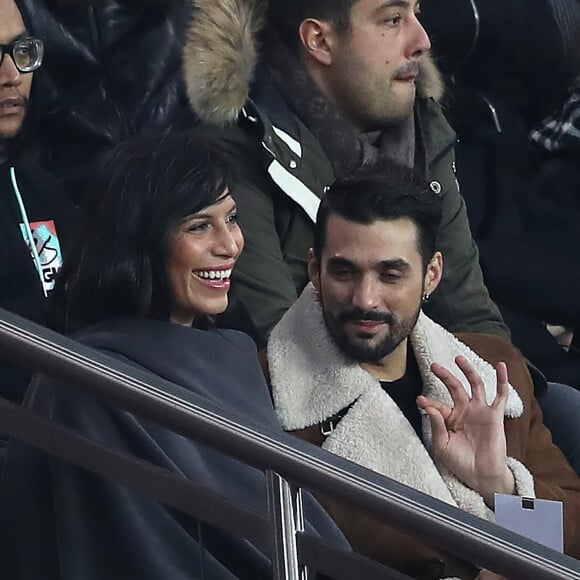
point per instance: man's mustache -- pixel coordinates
(360, 314)
(409, 68)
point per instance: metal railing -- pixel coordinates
(289, 464)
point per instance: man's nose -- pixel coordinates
(366, 295)
(419, 43)
(9, 74)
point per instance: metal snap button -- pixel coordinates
(435, 187)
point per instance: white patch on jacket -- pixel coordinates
(312, 381)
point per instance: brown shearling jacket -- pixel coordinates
(528, 441)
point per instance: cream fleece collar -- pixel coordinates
(312, 381)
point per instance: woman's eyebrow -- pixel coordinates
(198, 216)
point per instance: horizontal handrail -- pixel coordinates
(180, 493)
(152, 481)
(454, 531)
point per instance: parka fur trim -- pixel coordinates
(220, 56)
(221, 53)
(312, 381)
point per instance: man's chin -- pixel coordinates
(364, 349)
(364, 338)
(401, 106)
(10, 129)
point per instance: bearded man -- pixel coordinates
(358, 368)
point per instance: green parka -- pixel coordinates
(283, 172)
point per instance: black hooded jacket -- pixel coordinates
(28, 196)
(111, 70)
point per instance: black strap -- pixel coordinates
(330, 424)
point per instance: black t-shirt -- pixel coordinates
(405, 391)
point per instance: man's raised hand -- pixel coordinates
(469, 438)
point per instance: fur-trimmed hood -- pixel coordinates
(313, 381)
(221, 54)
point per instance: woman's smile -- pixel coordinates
(218, 278)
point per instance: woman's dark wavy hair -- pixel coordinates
(117, 266)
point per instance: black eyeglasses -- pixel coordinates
(26, 53)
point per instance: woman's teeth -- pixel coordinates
(214, 274)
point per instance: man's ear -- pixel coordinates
(434, 273)
(314, 270)
(316, 37)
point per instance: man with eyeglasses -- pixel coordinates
(20, 55)
(34, 209)
(26, 55)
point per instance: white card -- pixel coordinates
(537, 519)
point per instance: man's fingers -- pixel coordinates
(453, 384)
(502, 386)
(425, 402)
(477, 388)
(438, 429)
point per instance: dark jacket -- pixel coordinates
(48, 210)
(59, 522)
(111, 70)
(558, 179)
(506, 60)
(284, 172)
(521, 232)
(556, 148)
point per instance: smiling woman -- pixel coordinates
(203, 253)
(160, 237)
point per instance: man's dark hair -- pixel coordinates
(118, 266)
(382, 191)
(287, 15)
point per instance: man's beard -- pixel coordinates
(360, 348)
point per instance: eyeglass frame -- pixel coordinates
(8, 49)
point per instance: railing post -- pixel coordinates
(286, 518)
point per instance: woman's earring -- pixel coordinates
(426, 297)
